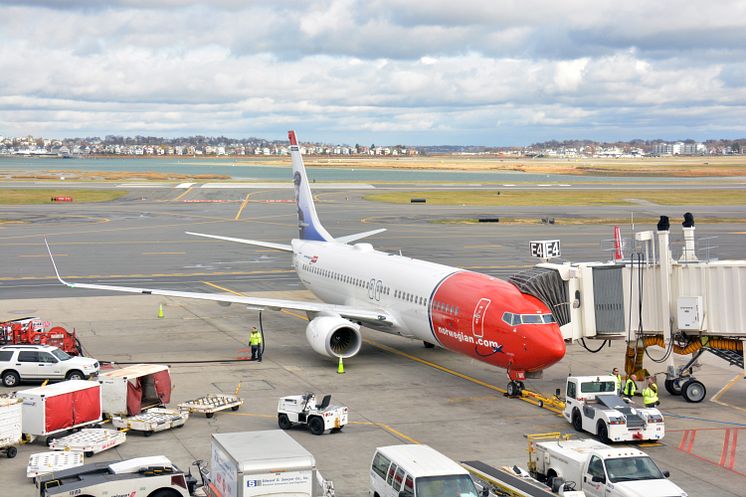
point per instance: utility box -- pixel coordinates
(261, 463)
(690, 313)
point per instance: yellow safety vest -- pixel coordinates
(630, 388)
(255, 339)
(649, 395)
(618, 381)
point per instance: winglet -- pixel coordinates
(292, 138)
(54, 265)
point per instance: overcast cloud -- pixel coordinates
(385, 71)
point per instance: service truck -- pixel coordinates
(593, 405)
(263, 463)
(599, 470)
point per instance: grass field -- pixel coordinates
(564, 197)
(17, 196)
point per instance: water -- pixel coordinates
(264, 172)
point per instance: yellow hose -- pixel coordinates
(634, 356)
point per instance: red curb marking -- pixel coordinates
(733, 449)
(724, 453)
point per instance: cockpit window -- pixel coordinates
(516, 319)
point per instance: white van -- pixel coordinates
(417, 471)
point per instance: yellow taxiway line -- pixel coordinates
(184, 193)
(243, 206)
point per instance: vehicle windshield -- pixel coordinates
(60, 355)
(597, 386)
(445, 486)
(632, 468)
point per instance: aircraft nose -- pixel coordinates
(550, 348)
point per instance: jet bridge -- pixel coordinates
(684, 305)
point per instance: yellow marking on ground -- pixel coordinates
(150, 275)
(183, 193)
(223, 288)
(397, 433)
(163, 253)
(651, 444)
(737, 233)
(42, 255)
(243, 206)
(716, 398)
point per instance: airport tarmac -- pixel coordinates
(397, 391)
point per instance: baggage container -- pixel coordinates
(59, 407)
(133, 389)
(10, 425)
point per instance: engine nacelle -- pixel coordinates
(334, 336)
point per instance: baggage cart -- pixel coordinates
(60, 407)
(48, 462)
(89, 441)
(10, 425)
(212, 403)
(152, 421)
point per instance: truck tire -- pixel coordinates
(165, 492)
(11, 378)
(284, 422)
(693, 391)
(577, 420)
(11, 452)
(316, 425)
(75, 375)
(556, 484)
(603, 432)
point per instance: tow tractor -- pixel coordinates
(592, 405)
(303, 410)
(154, 476)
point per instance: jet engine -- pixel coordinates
(334, 336)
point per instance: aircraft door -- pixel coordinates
(477, 320)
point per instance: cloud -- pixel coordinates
(476, 71)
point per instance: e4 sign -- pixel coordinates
(545, 249)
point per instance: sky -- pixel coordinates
(467, 72)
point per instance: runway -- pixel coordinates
(397, 391)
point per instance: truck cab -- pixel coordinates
(600, 470)
(593, 405)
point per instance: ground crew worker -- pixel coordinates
(255, 341)
(650, 393)
(617, 380)
(630, 387)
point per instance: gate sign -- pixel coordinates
(545, 249)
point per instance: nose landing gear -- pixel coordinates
(515, 388)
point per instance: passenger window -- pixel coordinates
(5, 355)
(408, 486)
(46, 357)
(398, 478)
(28, 356)
(571, 390)
(596, 467)
(390, 476)
(381, 465)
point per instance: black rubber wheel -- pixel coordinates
(673, 386)
(693, 391)
(209, 414)
(235, 408)
(75, 375)
(88, 453)
(428, 345)
(603, 432)
(556, 484)
(165, 492)
(11, 379)
(11, 452)
(577, 420)
(513, 389)
(283, 422)
(148, 433)
(316, 425)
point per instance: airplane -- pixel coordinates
(480, 316)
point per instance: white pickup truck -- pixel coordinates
(599, 470)
(593, 405)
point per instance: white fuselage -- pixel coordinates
(358, 275)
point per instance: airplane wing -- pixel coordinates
(349, 312)
(276, 246)
(358, 236)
